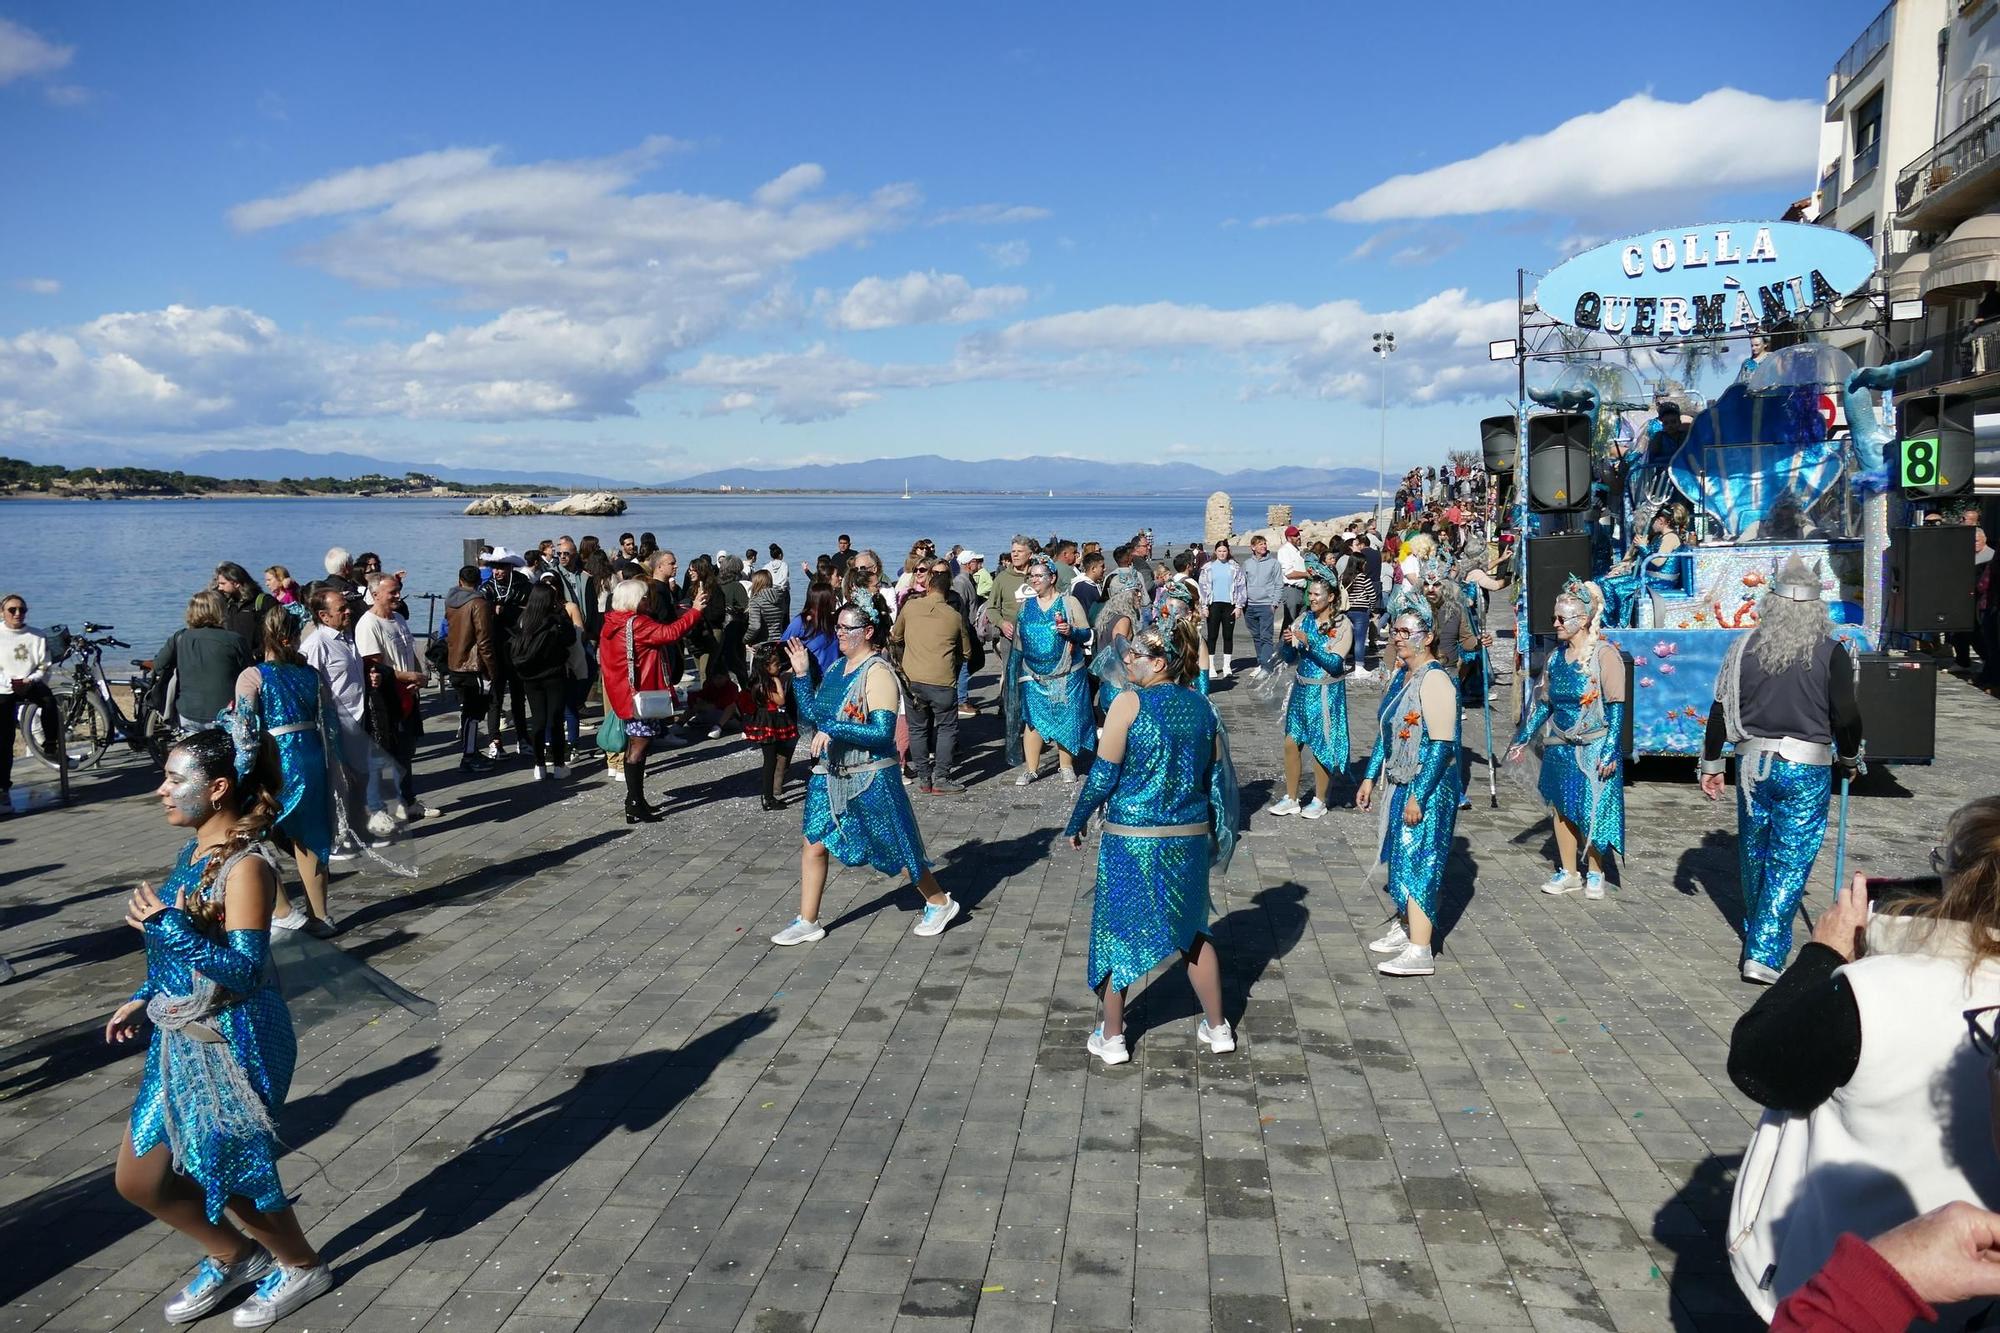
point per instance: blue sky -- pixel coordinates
(656, 239)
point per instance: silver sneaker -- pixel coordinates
(936, 917)
(1111, 1050)
(1563, 881)
(1757, 974)
(1593, 886)
(1393, 942)
(1026, 776)
(1414, 961)
(1221, 1040)
(801, 931)
(282, 1291)
(213, 1284)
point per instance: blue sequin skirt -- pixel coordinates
(1151, 903)
(1567, 790)
(305, 815)
(877, 829)
(259, 1032)
(1059, 711)
(1415, 857)
(1325, 736)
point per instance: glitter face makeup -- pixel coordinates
(185, 791)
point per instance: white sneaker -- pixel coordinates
(801, 931)
(382, 824)
(558, 771)
(1313, 809)
(1221, 1040)
(282, 1291)
(213, 1283)
(1285, 806)
(1563, 881)
(341, 855)
(1593, 885)
(1361, 673)
(493, 750)
(1025, 776)
(1758, 974)
(1214, 670)
(1228, 669)
(400, 812)
(1393, 942)
(1111, 1050)
(541, 773)
(292, 920)
(715, 732)
(1414, 961)
(1257, 672)
(936, 917)
(1068, 776)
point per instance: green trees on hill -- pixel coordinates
(18, 475)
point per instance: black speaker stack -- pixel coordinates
(1499, 441)
(1930, 579)
(1559, 463)
(1898, 699)
(1551, 561)
(1934, 456)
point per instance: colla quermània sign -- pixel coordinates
(1704, 282)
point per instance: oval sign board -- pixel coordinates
(1706, 281)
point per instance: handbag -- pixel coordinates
(1767, 1187)
(651, 705)
(611, 734)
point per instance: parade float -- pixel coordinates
(1788, 457)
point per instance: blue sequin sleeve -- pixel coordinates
(1536, 717)
(1378, 756)
(236, 965)
(877, 734)
(1435, 758)
(1614, 721)
(1096, 791)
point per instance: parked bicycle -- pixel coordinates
(90, 713)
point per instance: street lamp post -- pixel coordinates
(1385, 343)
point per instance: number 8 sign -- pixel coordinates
(1917, 464)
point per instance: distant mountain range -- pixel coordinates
(273, 464)
(1071, 476)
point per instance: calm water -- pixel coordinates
(134, 563)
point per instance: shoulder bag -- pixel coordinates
(1767, 1186)
(652, 705)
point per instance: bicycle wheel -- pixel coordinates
(86, 729)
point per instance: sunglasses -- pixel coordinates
(849, 629)
(17, 610)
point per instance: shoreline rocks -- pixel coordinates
(586, 503)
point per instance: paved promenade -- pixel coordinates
(643, 1116)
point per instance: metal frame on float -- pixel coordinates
(1540, 338)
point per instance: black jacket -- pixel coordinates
(543, 652)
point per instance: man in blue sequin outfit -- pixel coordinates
(1785, 700)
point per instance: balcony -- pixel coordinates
(1866, 47)
(1955, 179)
(1966, 353)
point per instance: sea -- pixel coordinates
(132, 564)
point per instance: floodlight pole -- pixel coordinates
(1385, 343)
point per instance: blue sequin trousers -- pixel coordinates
(257, 1027)
(1316, 709)
(1780, 824)
(1405, 766)
(877, 827)
(1152, 896)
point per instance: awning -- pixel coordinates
(1905, 282)
(1967, 261)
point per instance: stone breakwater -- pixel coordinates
(1310, 530)
(507, 506)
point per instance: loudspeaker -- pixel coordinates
(1559, 463)
(1500, 439)
(1898, 698)
(1930, 579)
(1551, 561)
(1934, 456)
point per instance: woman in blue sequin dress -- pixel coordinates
(1121, 615)
(1047, 669)
(1646, 564)
(1575, 723)
(1163, 777)
(1415, 768)
(856, 806)
(278, 707)
(1180, 599)
(1316, 647)
(200, 1144)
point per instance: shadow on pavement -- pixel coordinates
(1710, 867)
(519, 1155)
(479, 884)
(60, 1228)
(1247, 941)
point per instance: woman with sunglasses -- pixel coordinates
(1163, 776)
(24, 673)
(1863, 1041)
(1315, 646)
(1415, 764)
(1047, 673)
(856, 807)
(1574, 728)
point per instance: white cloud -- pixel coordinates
(1636, 149)
(1279, 220)
(789, 185)
(818, 383)
(24, 54)
(921, 298)
(1008, 254)
(1182, 449)
(993, 215)
(1321, 351)
(361, 188)
(39, 286)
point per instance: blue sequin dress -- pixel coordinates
(1578, 739)
(288, 705)
(1152, 896)
(1406, 764)
(1055, 689)
(256, 1027)
(1316, 708)
(855, 803)
(1621, 591)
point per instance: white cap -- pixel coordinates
(967, 557)
(500, 555)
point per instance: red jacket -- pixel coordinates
(649, 639)
(1857, 1292)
